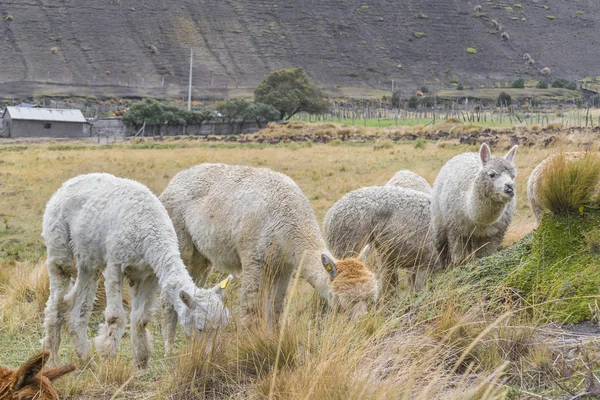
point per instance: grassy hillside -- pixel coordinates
(348, 43)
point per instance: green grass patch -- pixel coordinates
(552, 17)
(419, 35)
(508, 9)
(471, 50)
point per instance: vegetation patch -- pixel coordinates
(471, 50)
(550, 17)
(419, 35)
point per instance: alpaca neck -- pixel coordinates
(482, 209)
(314, 273)
(172, 277)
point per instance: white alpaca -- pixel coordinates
(409, 180)
(472, 204)
(395, 221)
(241, 220)
(119, 228)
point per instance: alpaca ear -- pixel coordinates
(30, 369)
(185, 298)
(485, 153)
(364, 253)
(510, 156)
(221, 286)
(329, 265)
(59, 372)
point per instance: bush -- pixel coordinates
(419, 35)
(460, 87)
(421, 144)
(504, 100)
(560, 83)
(424, 89)
(413, 102)
(569, 184)
(542, 85)
(571, 86)
(519, 84)
(595, 100)
(471, 50)
(396, 98)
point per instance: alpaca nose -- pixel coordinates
(509, 188)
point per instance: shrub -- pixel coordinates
(364, 7)
(508, 9)
(504, 100)
(542, 85)
(422, 16)
(396, 98)
(518, 84)
(579, 12)
(424, 89)
(471, 50)
(419, 35)
(571, 86)
(413, 102)
(460, 87)
(552, 17)
(568, 184)
(595, 100)
(421, 144)
(526, 56)
(560, 83)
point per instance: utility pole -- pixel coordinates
(190, 82)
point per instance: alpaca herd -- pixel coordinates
(256, 224)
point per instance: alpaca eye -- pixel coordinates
(492, 174)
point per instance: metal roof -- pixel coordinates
(45, 114)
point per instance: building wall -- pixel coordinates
(20, 128)
(108, 127)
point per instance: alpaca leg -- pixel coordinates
(277, 296)
(60, 281)
(459, 249)
(199, 267)
(252, 281)
(111, 332)
(81, 298)
(143, 293)
(169, 323)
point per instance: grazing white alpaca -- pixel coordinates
(119, 228)
(241, 220)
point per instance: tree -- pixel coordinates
(149, 111)
(261, 113)
(396, 98)
(519, 84)
(290, 92)
(413, 102)
(234, 109)
(196, 117)
(560, 83)
(542, 85)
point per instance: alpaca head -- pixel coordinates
(496, 180)
(353, 287)
(204, 310)
(29, 382)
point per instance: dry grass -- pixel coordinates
(314, 353)
(568, 184)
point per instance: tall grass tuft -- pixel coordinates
(569, 184)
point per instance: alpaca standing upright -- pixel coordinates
(117, 227)
(472, 204)
(29, 382)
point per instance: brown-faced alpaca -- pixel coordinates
(353, 287)
(29, 382)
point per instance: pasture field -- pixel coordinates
(313, 353)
